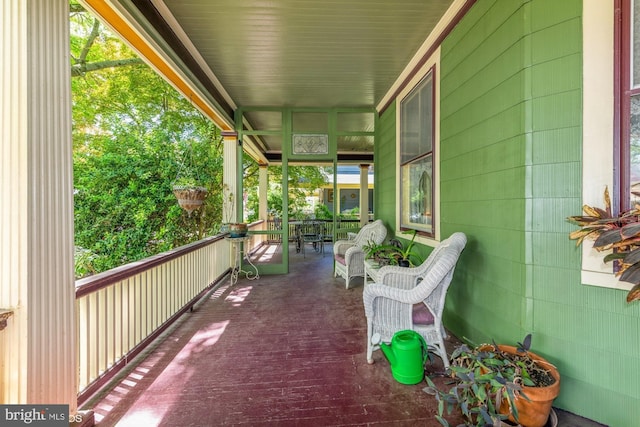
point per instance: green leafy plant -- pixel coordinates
(186, 182)
(619, 233)
(484, 377)
(403, 254)
(227, 202)
(382, 253)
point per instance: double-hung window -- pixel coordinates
(417, 157)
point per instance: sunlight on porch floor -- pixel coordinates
(281, 350)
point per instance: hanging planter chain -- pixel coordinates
(190, 195)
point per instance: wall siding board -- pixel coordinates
(385, 176)
(511, 172)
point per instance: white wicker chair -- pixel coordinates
(413, 298)
(349, 255)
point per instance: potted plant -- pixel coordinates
(378, 252)
(190, 193)
(227, 208)
(403, 254)
(235, 229)
(619, 233)
(496, 384)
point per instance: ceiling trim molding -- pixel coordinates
(161, 18)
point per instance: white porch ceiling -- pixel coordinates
(302, 53)
(293, 53)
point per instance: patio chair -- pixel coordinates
(412, 298)
(312, 232)
(349, 255)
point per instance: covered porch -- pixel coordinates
(522, 111)
(281, 350)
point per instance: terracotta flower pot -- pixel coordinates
(535, 412)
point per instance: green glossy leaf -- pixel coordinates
(615, 255)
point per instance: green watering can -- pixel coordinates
(407, 354)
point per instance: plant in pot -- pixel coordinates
(619, 233)
(235, 229)
(189, 192)
(498, 385)
(378, 252)
(403, 255)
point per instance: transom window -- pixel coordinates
(416, 157)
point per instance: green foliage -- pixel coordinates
(84, 261)
(353, 213)
(302, 182)
(484, 377)
(322, 212)
(132, 133)
(402, 254)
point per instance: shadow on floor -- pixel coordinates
(286, 350)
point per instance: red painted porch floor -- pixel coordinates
(281, 350)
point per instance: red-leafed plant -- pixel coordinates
(619, 233)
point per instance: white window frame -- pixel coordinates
(598, 129)
(433, 62)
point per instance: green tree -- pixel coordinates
(132, 135)
(302, 182)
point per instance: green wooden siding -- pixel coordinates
(511, 172)
(385, 169)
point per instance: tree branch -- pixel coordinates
(81, 69)
(95, 32)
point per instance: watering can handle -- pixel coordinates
(425, 349)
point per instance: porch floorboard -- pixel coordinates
(281, 350)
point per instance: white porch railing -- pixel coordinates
(124, 309)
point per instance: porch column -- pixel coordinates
(364, 194)
(262, 192)
(229, 176)
(38, 347)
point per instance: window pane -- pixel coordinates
(416, 157)
(410, 135)
(417, 194)
(634, 151)
(417, 121)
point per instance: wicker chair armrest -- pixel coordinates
(353, 255)
(340, 246)
(398, 277)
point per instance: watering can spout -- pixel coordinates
(389, 354)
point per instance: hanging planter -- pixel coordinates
(186, 187)
(190, 195)
(190, 198)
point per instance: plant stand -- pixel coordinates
(239, 252)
